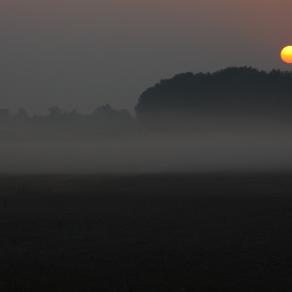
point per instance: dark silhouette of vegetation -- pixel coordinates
(236, 93)
(236, 90)
(61, 123)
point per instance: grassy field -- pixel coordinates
(146, 233)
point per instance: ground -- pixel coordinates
(146, 233)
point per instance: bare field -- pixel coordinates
(160, 233)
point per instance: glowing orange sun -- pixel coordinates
(286, 55)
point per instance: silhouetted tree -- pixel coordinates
(55, 111)
(234, 90)
(22, 114)
(4, 113)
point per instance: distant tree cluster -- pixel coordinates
(235, 90)
(58, 122)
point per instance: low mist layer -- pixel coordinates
(151, 153)
(234, 119)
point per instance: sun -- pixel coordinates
(286, 55)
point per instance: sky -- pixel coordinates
(85, 53)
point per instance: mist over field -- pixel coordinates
(232, 119)
(152, 152)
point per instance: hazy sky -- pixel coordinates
(84, 53)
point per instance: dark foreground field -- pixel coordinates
(154, 233)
